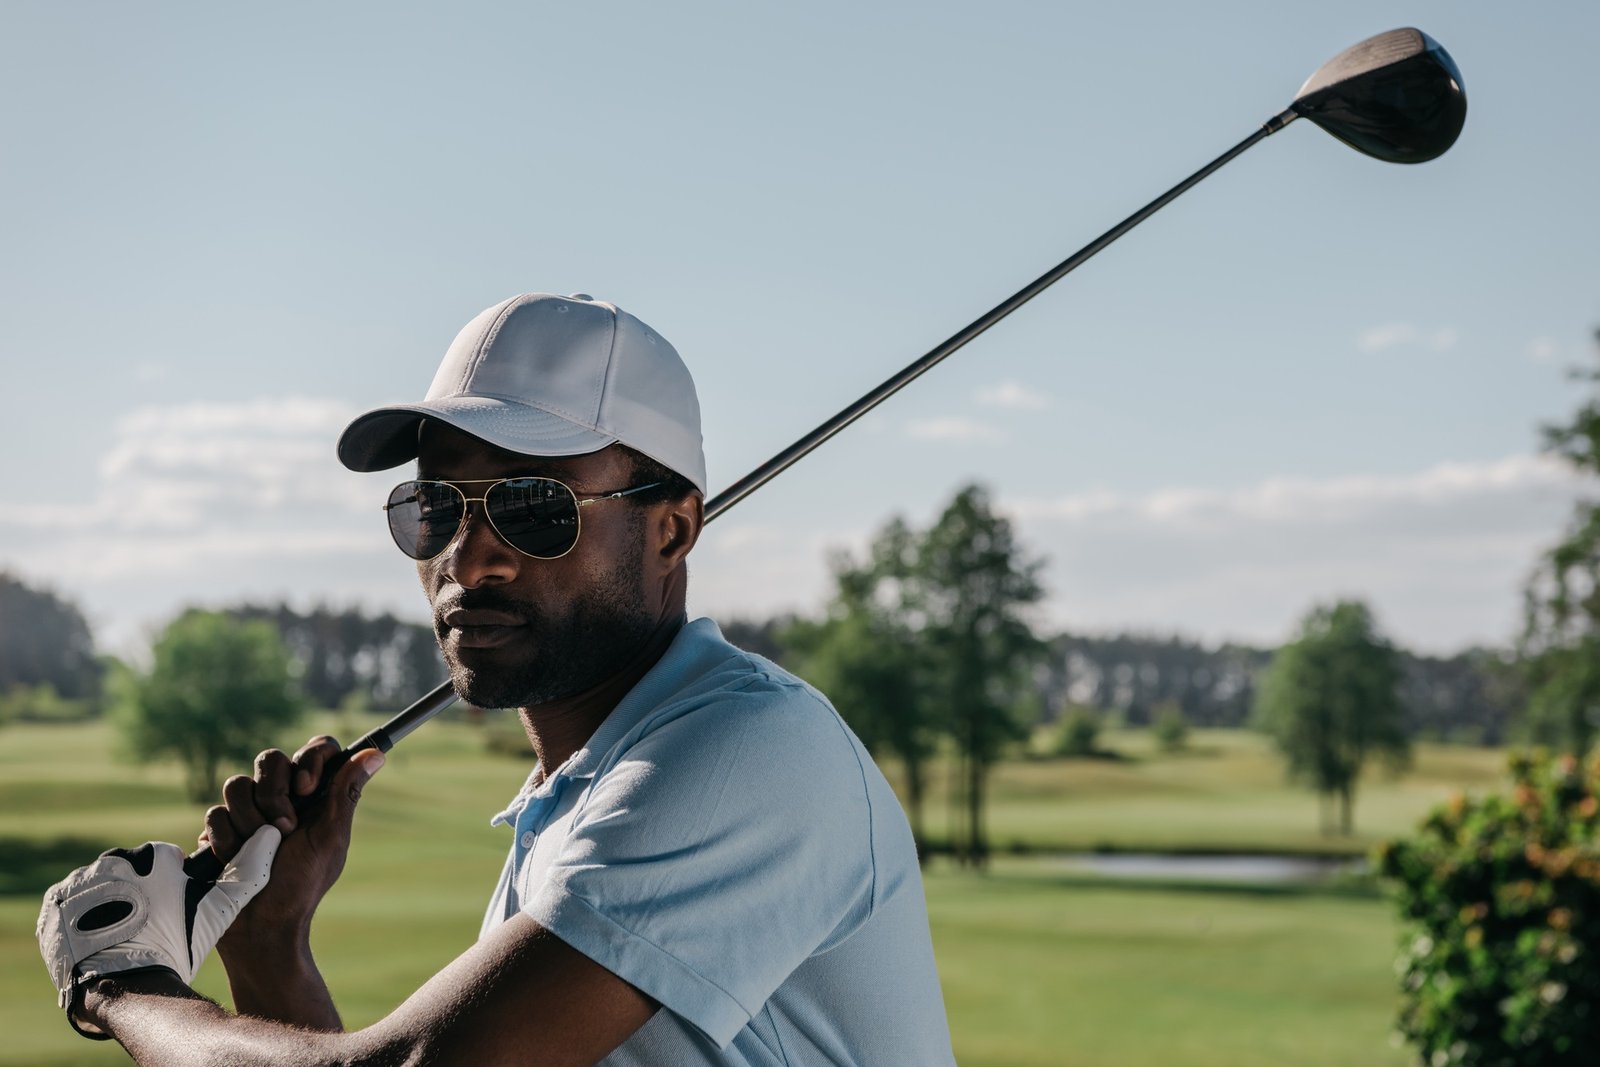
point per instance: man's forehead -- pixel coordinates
(448, 453)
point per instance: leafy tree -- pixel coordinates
(1501, 895)
(1171, 727)
(969, 585)
(873, 666)
(1561, 637)
(44, 640)
(219, 689)
(928, 635)
(1331, 701)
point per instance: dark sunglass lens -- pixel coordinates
(424, 517)
(535, 515)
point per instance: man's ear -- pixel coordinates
(677, 529)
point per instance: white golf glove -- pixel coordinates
(135, 910)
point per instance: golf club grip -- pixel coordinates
(202, 865)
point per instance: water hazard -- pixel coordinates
(1242, 869)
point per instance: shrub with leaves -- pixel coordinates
(1078, 732)
(1171, 727)
(1501, 897)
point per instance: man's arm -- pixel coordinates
(519, 996)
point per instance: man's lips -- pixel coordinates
(481, 627)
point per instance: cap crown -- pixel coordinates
(550, 375)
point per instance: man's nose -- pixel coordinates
(478, 555)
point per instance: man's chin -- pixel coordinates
(488, 686)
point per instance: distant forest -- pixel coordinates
(1470, 697)
(347, 657)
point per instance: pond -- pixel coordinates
(1243, 869)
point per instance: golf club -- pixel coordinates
(1397, 97)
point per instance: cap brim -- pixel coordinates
(387, 437)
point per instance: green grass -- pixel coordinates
(1039, 966)
(1225, 793)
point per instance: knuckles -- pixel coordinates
(237, 783)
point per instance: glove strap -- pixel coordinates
(72, 998)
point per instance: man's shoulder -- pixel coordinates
(709, 665)
(708, 692)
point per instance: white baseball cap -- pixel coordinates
(548, 375)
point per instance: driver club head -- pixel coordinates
(1397, 97)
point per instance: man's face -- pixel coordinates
(518, 631)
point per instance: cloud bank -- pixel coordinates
(213, 503)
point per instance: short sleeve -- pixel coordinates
(717, 853)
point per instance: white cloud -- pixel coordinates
(192, 482)
(1441, 553)
(1542, 350)
(213, 503)
(1405, 334)
(1013, 395)
(1305, 499)
(955, 428)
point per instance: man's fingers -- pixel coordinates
(309, 762)
(239, 796)
(351, 779)
(273, 773)
(220, 833)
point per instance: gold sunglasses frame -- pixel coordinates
(580, 503)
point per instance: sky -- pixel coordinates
(228, 231)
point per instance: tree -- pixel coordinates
(1331, 701)
(340, 652)
(219, 689)
(969, 585)
(44, 640)
(1561, 633)
(928, 635)
(872, 665)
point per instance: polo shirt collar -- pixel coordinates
(630, 711)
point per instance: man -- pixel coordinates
(706, 867)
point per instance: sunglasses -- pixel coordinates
(536, 516)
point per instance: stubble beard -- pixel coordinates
(563, 657)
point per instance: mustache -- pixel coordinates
(484, 600)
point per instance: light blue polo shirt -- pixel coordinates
(726, 845)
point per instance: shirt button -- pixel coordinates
(527, 839)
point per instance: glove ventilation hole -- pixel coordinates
(103, 915)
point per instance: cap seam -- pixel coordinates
(486, 344)
(611, 362)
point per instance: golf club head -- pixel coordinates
(1397, 97)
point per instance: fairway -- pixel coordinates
(1039, 967)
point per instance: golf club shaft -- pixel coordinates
(203, 864)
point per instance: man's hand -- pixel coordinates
(135, 910)
(267, 951)
(316, 839)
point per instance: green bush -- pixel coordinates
(1171, 728)
(1078, 733)
(1501, 897)
(41, 703)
